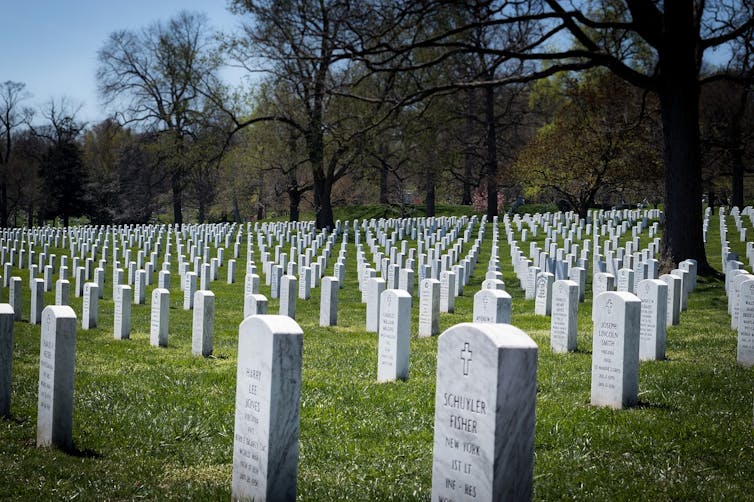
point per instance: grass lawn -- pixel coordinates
(157, 423)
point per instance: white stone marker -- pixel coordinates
(231, 271)
(734, 297)
(328, 304)
(163, 279)
(745, 345)
(268, 397)
(492, 306)
(117, 280)
(625, 280)
(159, 319)
(578, 275)
(37, 301)
(690, 266)
(615, 350)
(429, 307)
(254, 304)
(14, 296)
(140, 287)
(48, 273)
(565, 313)
(543, 295)
(406, 280)
(684, 275)
(674, 298)
(447, 291)
(57, 358)
(288, 290)
(90, 306)
(395, 334)
(531, 282)
(202, 328)
(189, 290)
(251, 284)
(276, 272)
(122, 313)
(375, 287)
(305, 283)
(62, 292)
(484, 413)
(653, 294)
(79, 277)
(6, 357)
(99, 280)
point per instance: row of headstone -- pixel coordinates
(483, 445)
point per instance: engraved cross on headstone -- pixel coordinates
(466, 357)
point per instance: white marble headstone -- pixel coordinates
(484, 413)
(565, 313)
(122, 312)
(328, 304)
(653, 294)
(268, 397)
(429, 307)
(615, 349)
(492, 306)
(745, 345)
(395, 334)
(160, 317)
(202, 328)
(57, 357)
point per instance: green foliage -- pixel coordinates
(598, 146)
(535, 208)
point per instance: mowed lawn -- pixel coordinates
(157, 423)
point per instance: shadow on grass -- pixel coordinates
(14, 419)
(653, 406)
(74, 451)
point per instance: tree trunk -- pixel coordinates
(200, 216)
(294, 201)
(3, 204)
(384, 199)
(489, 118)
(322, 204)
(177, 196)
(468, 151)
(236, 209)
(429, 199)
(679, 101)
(737, 176)
(735, 136)
(711, 199)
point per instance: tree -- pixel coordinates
(162, 76)
(102, 146)
(303, 47)
(727, 132)
(597, 144)
(12, 116)
(656, 46)
(61, 167)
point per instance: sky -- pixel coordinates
(51, 45)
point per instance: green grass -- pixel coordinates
(158, 423)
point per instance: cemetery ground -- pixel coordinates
(157, 423)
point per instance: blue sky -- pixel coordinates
(51, 45)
